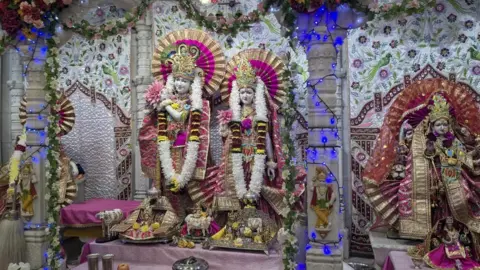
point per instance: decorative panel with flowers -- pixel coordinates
(95, 75)
(444, 41)
(102, 64)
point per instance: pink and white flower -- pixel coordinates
(154, 91)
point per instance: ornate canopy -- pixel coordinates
(211, 58)
(268, 66)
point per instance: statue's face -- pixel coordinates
(465, 131)
(440, 127)
(246, 96)
(182, 85)
(408, 134)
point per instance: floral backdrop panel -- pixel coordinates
(95, 74)
(167, 17)
(383, 56)
(102, 64)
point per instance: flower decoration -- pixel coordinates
(412, 53)
(416, 67)
(357, 63)
(362, 39)
(402, 8)
(476, 70)
(441, 65)
(452, 18)
(469, 24)
(224, 116)
(123, 70)
(387, 30)
(384, 73)
(462, 38)
(153, 94)
(445, 52)
(246, 124)
(376, 44)
(439, 7)
(394, 44)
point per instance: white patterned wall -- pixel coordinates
(92, 144)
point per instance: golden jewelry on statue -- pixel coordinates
(246, 76)
(183, 61)
(440, 109)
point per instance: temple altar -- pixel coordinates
(262, 134)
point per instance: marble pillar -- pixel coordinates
(325, 59)
(142, 51)
(12, 82)
(36, 122)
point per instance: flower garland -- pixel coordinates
(389, 11)
(236, 153)
(290, 245)
(239, 22)
(173, 179)
(110, 28)
(53, 169)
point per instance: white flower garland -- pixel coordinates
(258, 170)
(166, 161)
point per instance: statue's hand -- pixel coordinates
(174, 186)
(271, 167)
(271, 173)
(162, 105)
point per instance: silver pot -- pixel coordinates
(190, 263)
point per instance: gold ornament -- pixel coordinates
(246, 76)
(183, 61)
(440, 109)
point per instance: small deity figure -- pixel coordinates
(71, 175)
(200, 224)
(24, 180)
(322, 200)
(433, 170)
(174, 139)
(252, 159)
(451, 246)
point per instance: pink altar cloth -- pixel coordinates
(162, 257)
(83, 214)
(399, 260)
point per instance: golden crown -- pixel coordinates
(184, 61)
(246, 76)
(440, 108)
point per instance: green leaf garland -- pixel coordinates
(110, 28)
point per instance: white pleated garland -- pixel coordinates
(188, 168)
(258, 169)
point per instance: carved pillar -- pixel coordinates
(323, 122)
(36, 123)
(12, 81)
(142, 79)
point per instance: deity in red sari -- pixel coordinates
(441, 175)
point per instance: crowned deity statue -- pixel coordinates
(188, 65)
(431, 171)
(450, 245)
(251, 169)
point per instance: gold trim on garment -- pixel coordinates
(418, 224)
